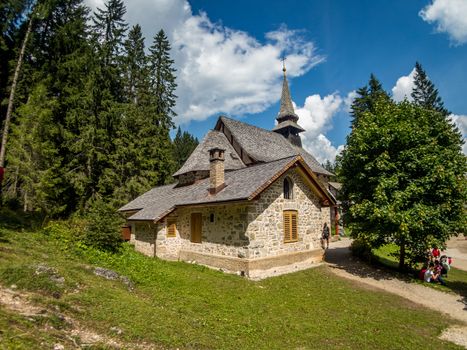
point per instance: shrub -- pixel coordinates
(362, 249)
(102, 230)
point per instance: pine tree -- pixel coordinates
(109, 28)
(98, 117)
(136, 80)
(52, 94)
(424, 92)
(163, 83)
(12, 14)
(143, 155)
(184, 144)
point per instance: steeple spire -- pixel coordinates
(287, 118)
(286, 109)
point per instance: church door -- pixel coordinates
(196, 227)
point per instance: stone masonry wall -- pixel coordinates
(145, 234)
(224, 236)
(266, 228)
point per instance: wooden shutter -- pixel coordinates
(196, 227)
(290, 226)
(171, 228)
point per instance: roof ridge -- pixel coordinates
(249, 125)
(264, 163)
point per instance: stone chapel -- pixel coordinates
(248, 201)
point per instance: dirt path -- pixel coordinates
(19, 302)
(343, 264)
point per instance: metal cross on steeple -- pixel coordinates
(283, 63)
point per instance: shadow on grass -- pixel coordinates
(380, 268)
(18, 220)
(342, 258)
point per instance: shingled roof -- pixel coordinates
(241, 184)
(199, 159)
(265, 146)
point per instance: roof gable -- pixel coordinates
(264, 146)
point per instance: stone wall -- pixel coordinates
(224, 235)
(145, 234)
(266, 228)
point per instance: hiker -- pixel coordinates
(428, 256)
(438, 267)
(445, 265)
(432, 277)
(436, 252)
(325, 236)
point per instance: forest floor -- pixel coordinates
(343, 264)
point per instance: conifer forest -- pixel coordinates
(86, 109)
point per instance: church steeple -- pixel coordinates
(287, 118)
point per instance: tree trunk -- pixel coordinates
(402, 255)
(12, 95)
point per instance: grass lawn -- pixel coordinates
(179, 305)
(456, 280)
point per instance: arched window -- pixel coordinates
(288, 188)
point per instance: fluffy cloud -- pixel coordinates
(461, 123)
(219, 69)
(404, 86)
(450, 16)
(316, 117)
(348, 100)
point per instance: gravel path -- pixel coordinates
(343, 264)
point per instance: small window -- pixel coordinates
(288, 188)
(211, 217)
(171, 228)
(290, 226)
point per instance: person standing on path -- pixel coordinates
(325, 236)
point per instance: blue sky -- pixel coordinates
(228, 57)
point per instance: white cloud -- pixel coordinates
(316, 118)
(461, 123)
(219, 69)
(404, 86)
(450, 16)
(348, 100)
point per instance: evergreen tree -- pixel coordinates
(12, 13)
(163, 83)
(404, 179)
(109, 28)
(34, 159)
(367, 97)
(184, 144)
(52, 92)
(136, 82)
(424, 92)
(143, 155)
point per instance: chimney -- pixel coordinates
(216, 172)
